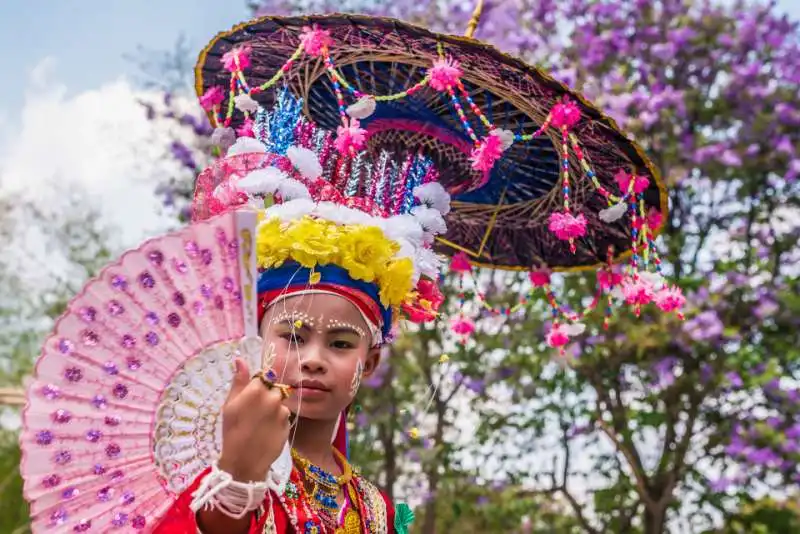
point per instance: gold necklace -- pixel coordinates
(324, 486)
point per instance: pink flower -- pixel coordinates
(237, 58)
(445, 73)
(211, 98)
(463, 326)
(315, 41)
(623, 179)
(486, 153)
(540, 278)
(565, 113)
(246, 129)
(670, 299)
(637, 291)
(350, 136)
(460, 263)
(557, 336)
(608, 279)
(566, 225)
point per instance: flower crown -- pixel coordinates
(375, 219)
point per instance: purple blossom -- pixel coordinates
(706, 326)
(182, 153)
(734, 379)
(665, 372)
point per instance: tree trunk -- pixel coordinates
(654, 519)
(429, 525)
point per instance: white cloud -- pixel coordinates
(98, 139)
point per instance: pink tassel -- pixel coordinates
(463, 326)
(567, 226)
(608, 279)
(487, 153)
(557, 336)
(540, 278)
(350, 137)
(246, 129)
(211, 98)
(637, 291)
(315, 40)
(670, 299)
(460, 263)
(237, 59)
(623, 179)
(565, 114)
(445, 73)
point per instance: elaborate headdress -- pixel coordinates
(332, 222)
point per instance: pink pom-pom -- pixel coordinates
(567, 226)
(350, 136)
(237, 59)
(654, 219)
(460, 263)
(670, 299)
(246, 129)
(445, 73)
(315, 40)
(623, 179)
(487, 153)
(540, 278)
(608, 279)
(463, 326)
(565, 113)
(211, 98)
(557, 336)
(637, 291)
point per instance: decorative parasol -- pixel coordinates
(539, 176)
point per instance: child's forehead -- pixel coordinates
(315, 306)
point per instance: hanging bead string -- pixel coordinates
(503, 310)
(462, 116)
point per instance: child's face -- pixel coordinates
(321, 346)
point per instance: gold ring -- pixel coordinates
(268, 378)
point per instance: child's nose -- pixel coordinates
(312, 360)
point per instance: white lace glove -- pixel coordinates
(218, 490)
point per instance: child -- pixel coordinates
(335, 273)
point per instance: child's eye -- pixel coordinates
(293, 338)
(341, 344)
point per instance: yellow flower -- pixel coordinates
(312, 242)
(364, 250)
(271, 249)
(396, 282)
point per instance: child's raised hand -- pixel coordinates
(255, 427)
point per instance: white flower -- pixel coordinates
(429, 263)
(403, 227)
(223, 137)
(262, 182)
(291, 189)
(363, 108)
(430, 219)
(291, 210)
(434, 196)
(574, 329)
(305, 161)
(341, 214)
(246, 145)
(613, 213)
(506, 136)
(245, 103)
